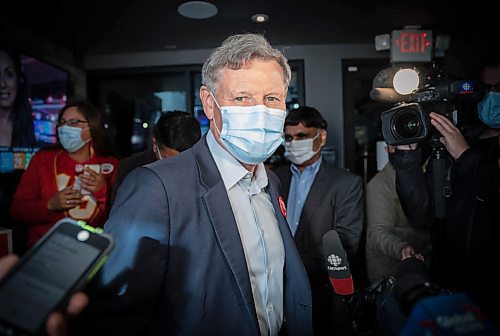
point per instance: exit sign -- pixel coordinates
(411, 46)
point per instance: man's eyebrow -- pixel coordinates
(297, 134)
(275, 93)
(242, 92)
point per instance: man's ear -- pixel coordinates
(323, 137)
(208, 102)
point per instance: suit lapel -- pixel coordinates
(224, 224)
(318, 187)
(286, 180)
(272, 189)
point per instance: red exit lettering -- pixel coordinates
(411, 42)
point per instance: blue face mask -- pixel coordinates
(489, 109)
(251, 133)
(71, 138)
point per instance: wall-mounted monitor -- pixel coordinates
(47, 90)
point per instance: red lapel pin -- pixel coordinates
(282, 206)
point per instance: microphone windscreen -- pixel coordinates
(388, 95)
(337, 264)
(448, 314)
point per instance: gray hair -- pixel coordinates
(238, 50)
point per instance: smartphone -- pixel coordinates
(94, 167)
(60, 264)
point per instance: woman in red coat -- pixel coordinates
(72, 179)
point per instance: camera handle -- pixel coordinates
(441, 188)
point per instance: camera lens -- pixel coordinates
(406, 124)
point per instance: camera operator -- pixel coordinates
(464, 239)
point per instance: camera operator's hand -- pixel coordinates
(408, 252)
(56, 323)
(451, 137)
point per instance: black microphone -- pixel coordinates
(360, 307)
(337, 264)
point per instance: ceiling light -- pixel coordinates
(197, 9)
(260, 18)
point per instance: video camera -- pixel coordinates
(417, 85)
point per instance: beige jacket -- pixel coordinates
(388, 231)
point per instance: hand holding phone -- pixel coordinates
(45, 279)
(65, 199)
(56, 322)
(91, 180)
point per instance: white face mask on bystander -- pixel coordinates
(299, 151)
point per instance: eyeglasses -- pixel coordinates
(71, 122)
(300, 136)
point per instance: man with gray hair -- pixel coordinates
(202, 243)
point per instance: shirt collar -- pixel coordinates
(231, 169)
(313, 168)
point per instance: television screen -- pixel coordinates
(15, 158)
(47, 87)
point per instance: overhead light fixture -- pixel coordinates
(260, 18)
(197, 9)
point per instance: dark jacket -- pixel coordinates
(127, 164)
(335, 201)
(465, 240)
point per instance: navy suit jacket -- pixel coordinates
(178, 267)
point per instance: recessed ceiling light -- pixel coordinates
(197, 9)
(260, 18)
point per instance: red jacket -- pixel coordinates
(49, 171)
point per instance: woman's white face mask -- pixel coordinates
(299, 151)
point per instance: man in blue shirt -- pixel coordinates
(319, 197)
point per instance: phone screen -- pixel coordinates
(48, 275)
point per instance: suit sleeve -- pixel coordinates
(127, 290)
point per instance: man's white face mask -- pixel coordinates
(299, 151)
